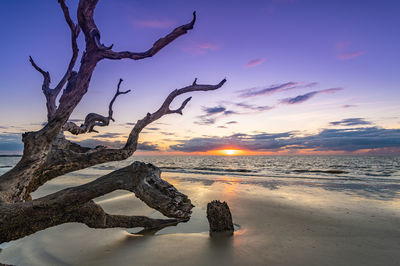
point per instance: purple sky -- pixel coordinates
(315, 75)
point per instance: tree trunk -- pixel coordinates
(219, 217)
(47, 154)
(76, 205)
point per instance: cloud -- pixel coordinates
(211, 114)
(154, 23)
(299, 98)
(201, 47)
(255, 62)
(230, 112)
(213, 110)
(307, 96)
(242, 141)
(204, 121)
(251, 92)
(346, 140)
(147, 146)
(343, 45)
(231, 122)
(254, 107)
(11, 142)
(350, 122)
(167, 133)
(349, 105)
(350, 55)
(108, 135)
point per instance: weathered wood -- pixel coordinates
(47, 154)
(93, 119)
(219, 217)
(75, 204)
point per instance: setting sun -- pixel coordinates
(231, 152)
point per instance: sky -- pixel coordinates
(303, 77)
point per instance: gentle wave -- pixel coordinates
(336, 178)
(320, 171)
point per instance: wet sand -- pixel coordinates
(291, 225)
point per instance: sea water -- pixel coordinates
(369, 176)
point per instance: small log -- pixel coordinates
(219, 217)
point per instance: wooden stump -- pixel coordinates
(219, 217)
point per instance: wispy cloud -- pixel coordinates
(350, 122)
(211, 114)
(198, 48)
(349, 105)
(346, 51)
(307, 96)
(255, 62)
(251, 92)
(154, 23)
(109, 135)
(253, 107)
(342, 45)
(350, 55)
(152, 128)
(147, 146)
(213, 110)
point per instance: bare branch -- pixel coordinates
(157, 46)
(86, 22)
(93, 119)
(46, 76)
(71, 157)
(110, 111)
(165, 109)
(95, 34)
(51, 94)
(75, 51)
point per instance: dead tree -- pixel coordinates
(48, 154)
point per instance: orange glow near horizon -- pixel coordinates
(229, 152)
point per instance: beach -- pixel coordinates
(277, 223)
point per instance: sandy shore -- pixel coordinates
(292, 225)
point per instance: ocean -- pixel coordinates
(369, 176)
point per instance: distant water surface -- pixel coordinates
(371, 176)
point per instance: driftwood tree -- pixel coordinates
(48, 154)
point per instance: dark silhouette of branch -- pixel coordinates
(51, 94)
(93, 119)
(157, 46)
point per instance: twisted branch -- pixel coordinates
(93, 119)
(165, 109)
(157, 46)
(71, 156)
(51, 94)
(75, 204)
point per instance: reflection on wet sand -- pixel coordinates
(292, 225)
